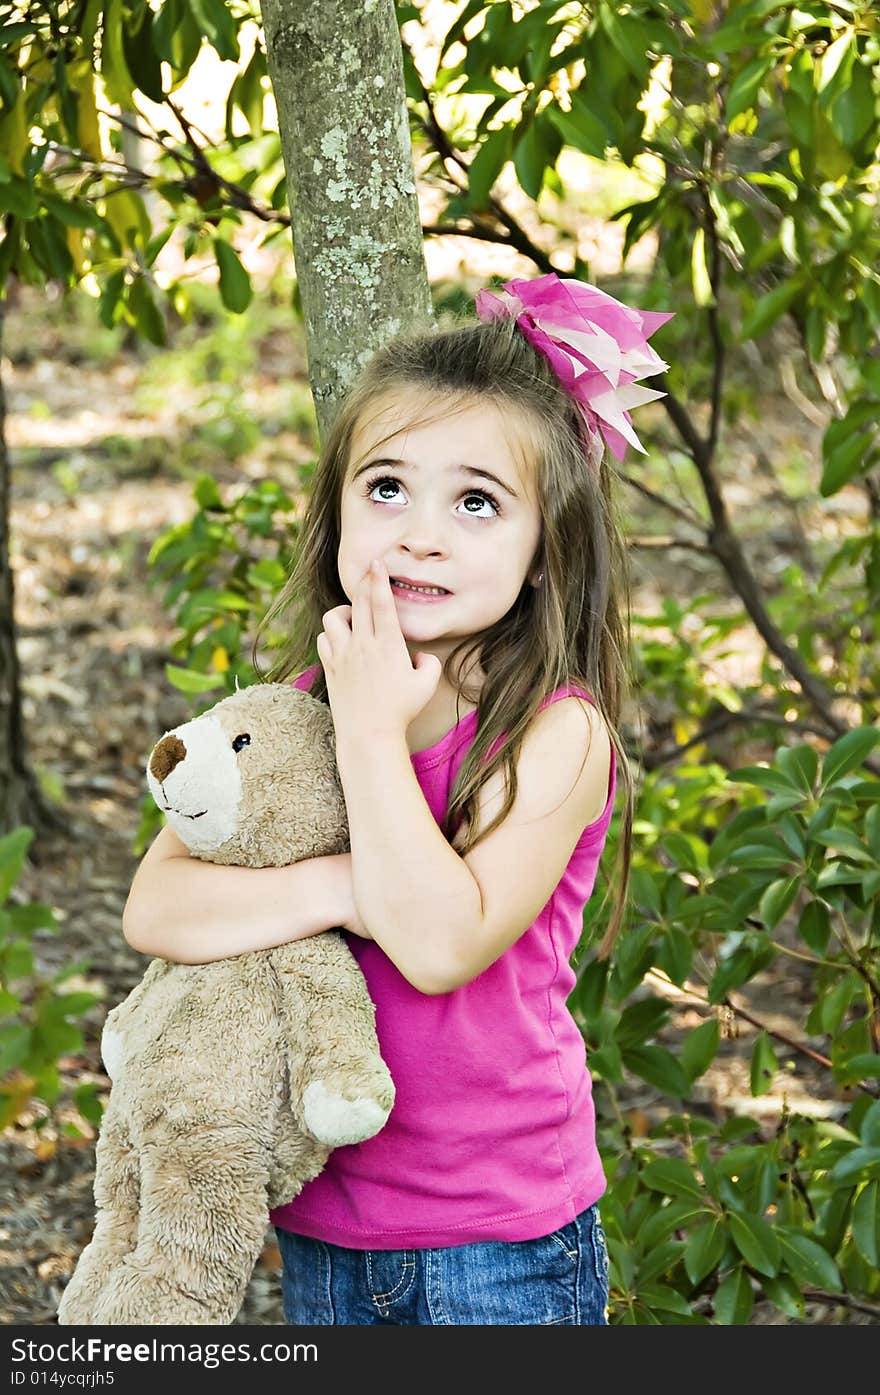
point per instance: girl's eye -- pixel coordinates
(388, 486)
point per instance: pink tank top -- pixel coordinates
(492, 1134)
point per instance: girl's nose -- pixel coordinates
(423, 536)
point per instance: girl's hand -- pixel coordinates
(373, 686)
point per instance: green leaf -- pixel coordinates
(605, 1062)
(487, 164)
(734, 1299)
(770, 308)
(844, 841)
(848, 752)
(73, 1004)
(176, 35)
(664, 1299)
(866, 1224)
(832, 1002)
(832, 61)
(18, 961)
(744, 89)
(147, 314)
(117, 79)
(686, 851)
(141, 58)
(699, 1048)
(756, 1242)
(765, 777)
(641, 1020)
(777, 899)
(673, 1177)
(675, 953)
(700, 279)
(857, 1165)
(580, 127)
(667, 1218)
(15, 1043)
(592, 984)
(218, 26)
(814, 927)
(17, 196)
(13, 851)
(764, 1065)
(800, 764)
(88, 1103)
(704, 1249)
(853, 111)
(207, 494)
(735, 969)
(659, 1067)
(58, 1038)
(187, 680)
(869, 1130)
(865, 1066)
(784, 1292)
(807, 1261)
(235, 283)
(535, 151)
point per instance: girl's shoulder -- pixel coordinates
(567, 690)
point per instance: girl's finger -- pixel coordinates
(385, 617)
(339, 616)
(361, 611)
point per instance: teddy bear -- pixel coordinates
(231, 1082)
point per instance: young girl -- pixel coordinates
(459, 581)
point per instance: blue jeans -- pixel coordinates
(559, 1279)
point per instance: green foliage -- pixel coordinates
(86, 221)
(39, 1018)
(221, 569)
(714, 1215)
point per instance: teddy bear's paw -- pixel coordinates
(112, 1051)
(334, 1120)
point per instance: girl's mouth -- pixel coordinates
(421, 595)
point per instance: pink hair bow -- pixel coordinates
(597, 347)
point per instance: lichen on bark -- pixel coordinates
(337, 73)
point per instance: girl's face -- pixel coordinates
(444, 504)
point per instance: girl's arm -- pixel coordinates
(442, 918)
(194, 912)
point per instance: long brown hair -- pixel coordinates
(573, 628)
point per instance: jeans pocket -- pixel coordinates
(566, 1237)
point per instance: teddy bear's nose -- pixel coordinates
(167, 753)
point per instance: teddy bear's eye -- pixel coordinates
(241, 741)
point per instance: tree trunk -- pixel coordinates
(20, 799)
(337, 74)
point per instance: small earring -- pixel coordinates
(540, 577)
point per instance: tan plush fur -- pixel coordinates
(232, 1081)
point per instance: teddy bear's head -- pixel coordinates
(253, 780)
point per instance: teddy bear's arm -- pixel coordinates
(340, 1088)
